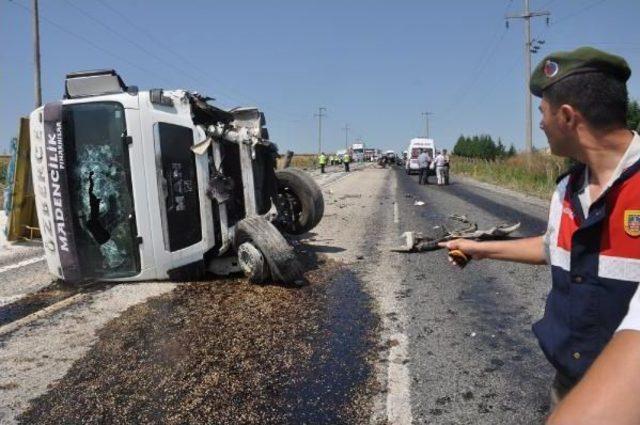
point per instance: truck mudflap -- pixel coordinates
(58, 222)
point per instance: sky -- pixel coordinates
(374, 65)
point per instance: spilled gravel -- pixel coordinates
(228, 352)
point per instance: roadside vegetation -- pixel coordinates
(304, 161)
(482, 158)
(4, 166)
(534, 174)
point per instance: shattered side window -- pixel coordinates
(101, 198)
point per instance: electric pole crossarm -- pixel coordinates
(529, 15)
(529, 48)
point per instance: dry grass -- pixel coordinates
(4, 164)
(534, 174)
(304, 161)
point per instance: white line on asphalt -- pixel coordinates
(10, 327)
(396, 213)
(21, 264)
(11, 299)
(398, 397)
(398, 381)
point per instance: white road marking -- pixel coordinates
(11, 299)
(396, 213)
(21, 264)
(398, 396)
(10, 327)
(398, 380)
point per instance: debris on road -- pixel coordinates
(419, 242)
(418, 203)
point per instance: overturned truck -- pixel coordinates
(139, 185)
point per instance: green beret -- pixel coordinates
(559, 65)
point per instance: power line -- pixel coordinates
(89, 42)
(229, 93)
(485, 58)
(144, 49)
(579, 11)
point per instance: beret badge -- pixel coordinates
(551, 69)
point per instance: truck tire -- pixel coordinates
(300, 200)
(280, 257)
(253, 263)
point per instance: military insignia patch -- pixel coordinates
(551, 69)
(632, 222)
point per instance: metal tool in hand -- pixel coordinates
(419, 242)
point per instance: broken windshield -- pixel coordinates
(100, 189)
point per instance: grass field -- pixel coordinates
(304, 161)
(533, 174)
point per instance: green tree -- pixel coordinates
(633, 115)
(512, 150)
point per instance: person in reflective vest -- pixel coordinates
(346, 159)
(322, 160)
(590, 331)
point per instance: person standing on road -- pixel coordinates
(590, 331)
(446, 166)
(423, 164)
(439, 162)
(346, 159)
(322, 160)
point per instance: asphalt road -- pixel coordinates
(449, 346)
(473, 356)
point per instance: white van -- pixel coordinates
(415, 145)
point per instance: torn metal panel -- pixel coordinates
(464, 229)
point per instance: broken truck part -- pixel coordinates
(464, 229)
(161, 184)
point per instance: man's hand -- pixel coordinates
(470, 248)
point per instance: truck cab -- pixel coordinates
(155, 184)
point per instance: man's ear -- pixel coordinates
(568, 116)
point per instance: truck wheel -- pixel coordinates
(253, 263)
(300, 202)
(257, 234)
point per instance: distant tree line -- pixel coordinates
(633, 115)
(482, 146)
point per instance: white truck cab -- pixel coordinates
(160, 184)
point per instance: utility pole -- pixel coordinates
(529, 48)
(36, 52)
(426, 116)
(346, 136)
(320, 114)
